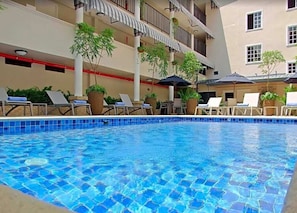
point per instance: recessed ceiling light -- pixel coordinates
(21, 52)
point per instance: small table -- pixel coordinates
(270, 107)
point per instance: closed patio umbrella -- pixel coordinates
(234, 79)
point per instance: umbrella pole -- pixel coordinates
(234, 92)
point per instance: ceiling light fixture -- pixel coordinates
(21, 52)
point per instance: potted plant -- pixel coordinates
(270, 60)
(157, 57)
(92, 47)
(175, 24)
(191, 67)
(191, 98)
(140, 49)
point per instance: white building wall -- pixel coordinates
(272, 36)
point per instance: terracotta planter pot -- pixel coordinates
(191, 105)
(96, 101)
(269, 103)
(153, 103)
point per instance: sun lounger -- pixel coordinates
(291, 103)
(115, 107)
(13, 102)
(212, 104)
(250, 103)
(131, 108)
(59, 101)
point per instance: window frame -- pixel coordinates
(292, 8)
(247, 20)
(287, 66)
(246, 53)
(287, 33)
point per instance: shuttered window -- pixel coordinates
(254, 20)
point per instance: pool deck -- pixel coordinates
(14, 201)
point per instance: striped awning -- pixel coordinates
(163, 38)
(101, 6)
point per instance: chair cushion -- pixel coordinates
(119, 103)
(146, 105)
(291, 104)
(80, 101)
(202, 105)
(242, 104)
(15, 98)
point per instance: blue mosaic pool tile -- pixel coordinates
(100, 186)
(151, 205)
(81, 209)
(196, 204)
(148, 193)
(100, 208)
(238, 206)
(163, 210)
(248, 209)
(218, 193)
(175, 195)
(210, 182)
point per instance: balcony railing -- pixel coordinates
(155, 18)
(200, 46)
(126, 4)
(183, 36)
(199, 14)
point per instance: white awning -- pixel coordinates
(163, 38)
(105, 8)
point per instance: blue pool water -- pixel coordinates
(162, 167)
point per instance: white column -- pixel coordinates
(171, 93)
(78, 61)
(137, 56)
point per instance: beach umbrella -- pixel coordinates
(291, 79)
(174, 80)
(234, 79)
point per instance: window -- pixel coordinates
(253, 53)
(55, 69)
(292, 4)
(291, 67)
(292, 34)
(17, 62)
(254, 20)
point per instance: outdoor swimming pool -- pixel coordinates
(162, 167)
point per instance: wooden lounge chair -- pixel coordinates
(291, 103)
(131, 108)
(250, 104)
(212, 104)
(13, 102)
(59, 101)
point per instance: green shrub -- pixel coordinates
(33, 94)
